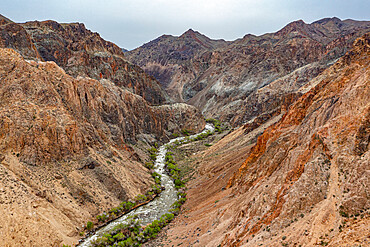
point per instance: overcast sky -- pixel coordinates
(130, 23)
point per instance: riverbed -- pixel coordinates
(160, 205)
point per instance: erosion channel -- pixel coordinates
(160, 205)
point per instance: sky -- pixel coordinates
(131, 23)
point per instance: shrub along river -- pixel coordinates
(161, 205)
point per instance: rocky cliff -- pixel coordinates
(79, 52)
(68, 148)
(240, 80)
(304, 182)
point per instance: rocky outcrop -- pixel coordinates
(237, 81)
(80, 52)
(68, 148)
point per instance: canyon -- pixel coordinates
(78, 115)
(299, 179)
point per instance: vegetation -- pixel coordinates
(126, 206)
(149, 165)
(153, 153)
(89, 225)
(216, 123)
(185, 132)
(173, 171)
(132, 233)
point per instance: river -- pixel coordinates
(160, 205)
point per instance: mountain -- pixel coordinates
(240, 80)
(300, 179)
(169, 58)
(80, 52)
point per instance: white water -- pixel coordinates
(160, 205)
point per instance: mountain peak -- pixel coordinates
(326, 20)
(189, 32)
(295, 24)
(291, 27)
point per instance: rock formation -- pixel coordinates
(240, 80)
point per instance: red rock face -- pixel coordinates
(80, 52)
(240, 80)
(311, 157)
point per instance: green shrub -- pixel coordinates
(89, 225)
(141, 198)
(152, 150)
(149, 165)
(185, 132)
(153, 156)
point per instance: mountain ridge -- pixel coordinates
(80, 52)
(227, 82)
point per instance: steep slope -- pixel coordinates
(169, 59)
(303, 183)
(4, 20)
(67, 148)
(80, 52)
(255, 75)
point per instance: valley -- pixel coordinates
(84, 126)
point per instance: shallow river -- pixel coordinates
(160, 205)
